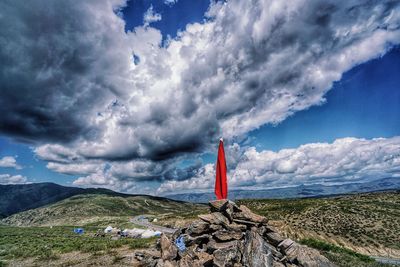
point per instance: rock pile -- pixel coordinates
(232, 236)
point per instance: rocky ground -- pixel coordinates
(230, 235)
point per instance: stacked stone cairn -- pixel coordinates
(234, 236)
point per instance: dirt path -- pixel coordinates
(143, 221)
(387, 260)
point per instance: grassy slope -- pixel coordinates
(342, 257)
(91, 211)
(101, 210)
(47, 243)
(343, 221)
(367, 223)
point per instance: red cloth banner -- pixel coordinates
(221, 186)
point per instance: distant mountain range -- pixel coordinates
(21, 197)
(102, 209)
(295, 192)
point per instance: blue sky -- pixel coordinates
(175, 16)
(365, 103)
(81, 113)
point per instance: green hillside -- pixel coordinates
(337, 226)
(368, 223)
(15, 198)
(101, 209)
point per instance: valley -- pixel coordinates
(347, 229)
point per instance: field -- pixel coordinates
(103, 210)
(367, 223)
(45, 244)
(44, 236)
(345, 228)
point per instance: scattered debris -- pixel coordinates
(79, 231)
(231, 236)
(132, 233)
(108, 229)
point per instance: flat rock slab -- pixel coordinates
(236, 227)
(198, 227)
(216, 245)
(274, 238)
(247, 215)
(225, 235)
(285, 244)
(215, 218)
(189, 240)
(245, 222)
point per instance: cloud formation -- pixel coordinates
(12, 179)
(170, 2)
(9, 162)
(101, 102)
(344, 160)
(150, 16)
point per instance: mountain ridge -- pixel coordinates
(21, 197)
(301, 191)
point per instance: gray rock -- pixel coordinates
(168, 250)
(307, 257)
(285, 245)
(236, 227)
(213, 245)
(256, 252)
(245, 222)
(270, 228)
(274, 251)
(147, 259)
(204, 259)
(235, 237)
(198, 227)
(215, 227)
(247, 215)
(278, 264)
(215, 218)
(218, 205)
(274, 238)
(186, 261)
(225, 235)
(229, 214)
(226, 256)
(170, 264)
(189, 240)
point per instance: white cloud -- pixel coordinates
(9, 162)
(344, 160)
(86, 167)
(104, 179)
(170, 2)
(150, 16)
(227, 76)
(250, 63)
(12, 179)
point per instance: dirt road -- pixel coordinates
(143, 221)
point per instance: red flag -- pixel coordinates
(221, 186)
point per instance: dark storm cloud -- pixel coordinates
(51, 76)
